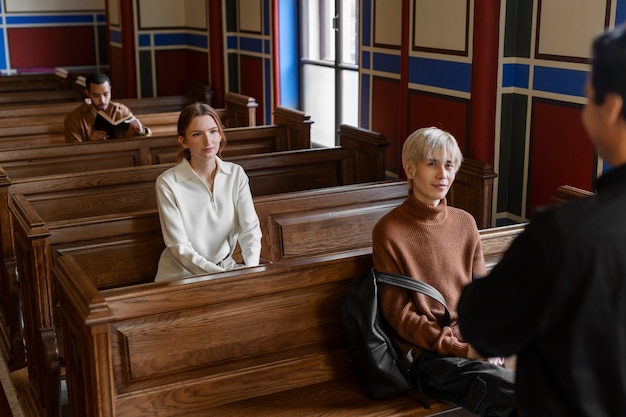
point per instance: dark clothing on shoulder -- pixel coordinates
(558, 300)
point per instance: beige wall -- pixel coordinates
(17, 6)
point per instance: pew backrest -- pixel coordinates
(567, 193)
(496, 241)
(43, 160)
(11, 99)
(31, 126)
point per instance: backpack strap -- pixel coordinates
(413, 284)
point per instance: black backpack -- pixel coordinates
(378, 363)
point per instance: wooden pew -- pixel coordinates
(296, 215)
(107, 212)
(27, 167)
(473, 190)
(29, 131)
(35, 82)
(496, 241)
(350, 134)
(567, 193)
(33, 97)
(291, 131)
(238, 111)
(248, 348)
(197, 92)
(374, 200)
(36, 130)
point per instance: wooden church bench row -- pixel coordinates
(88, 193)
(21, 169)
(47, 129)
(61, 78)
(71, 90)
(37, 89)
(567, 193)
(266, 340)
(137, 105)
(196, 92)
(12, 99)
(34, 82)
(292, 133)
(346, 132)
(113, 212)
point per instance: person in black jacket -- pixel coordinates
(557, 299)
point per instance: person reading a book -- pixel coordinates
(115, 119)
(427, 240)
(205, 204)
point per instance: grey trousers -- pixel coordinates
(478, 386)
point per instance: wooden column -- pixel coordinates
(216, 53)
(484, 80)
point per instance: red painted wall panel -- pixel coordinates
(385, 115)
(119, 89)
(449, 114)
(251, 70)
(171, 72)
(175, 68)
(561, 153)
(51, 46)
(198, 67)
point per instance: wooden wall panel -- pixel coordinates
(447, 113)
(175, 67)
(171, 67)
(385, 119)
(252, 82)
(561, 153)
(117, 73)
(51, 46)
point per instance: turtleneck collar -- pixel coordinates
(426, 212)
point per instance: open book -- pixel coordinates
(115, 129)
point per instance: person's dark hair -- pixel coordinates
(189, 113)
(608, 72)
(97, 78)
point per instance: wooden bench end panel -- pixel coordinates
(472, 191)
(299, 125)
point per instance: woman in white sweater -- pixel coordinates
(205, 204)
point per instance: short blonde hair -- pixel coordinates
(429, 143)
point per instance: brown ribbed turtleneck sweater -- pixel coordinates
(439, 245)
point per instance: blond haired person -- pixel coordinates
(425, 239)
